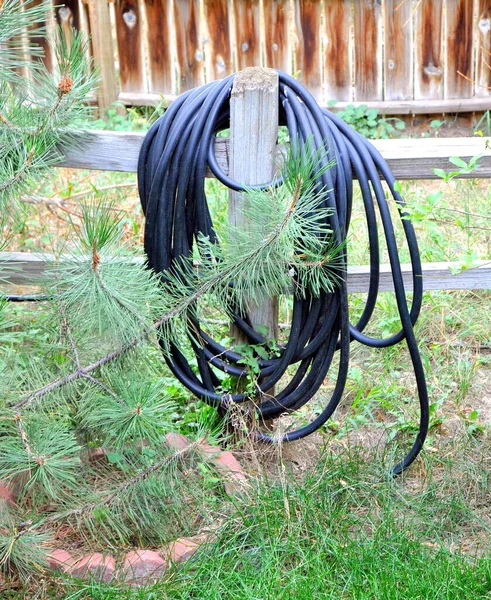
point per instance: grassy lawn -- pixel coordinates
(322, 519)
(342, 530)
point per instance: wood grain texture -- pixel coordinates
(68, 14)
(412, 158)
(41, 40)
(189, 44)
(337, 51)
(428, 40)
(394, 107)
(130, 49)
(459, 59)
(368, 49)
(25, 268)
(102, 46)
(247, 18)
(254, 107)
(159, 44)
(68, 17)
(483, 49)
(277, 38)
(398, 55)
(308, 47)
(218, 47)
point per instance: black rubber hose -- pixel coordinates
(171, 170)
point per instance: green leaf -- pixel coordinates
(455, 160)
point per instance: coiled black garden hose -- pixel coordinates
(171, 174)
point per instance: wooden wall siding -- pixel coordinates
(308, 45)
(218, 41)
(189, 44)
(368, 49)
(130, 48)
(459, 60)
(337, 48)
(483, 50)
(398, 56)
(42, 41)
(159, 45)
(247, 20)
(428, 40)
(391, 51)
(68, 16)
(278, 47)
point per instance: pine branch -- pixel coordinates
(107, 497)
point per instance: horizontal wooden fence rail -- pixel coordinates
(408, 159)
(390, 52)
(411, 158)
(26, 268)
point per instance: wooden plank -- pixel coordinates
(247, 33)
(337, 50)
(398, 54)
(25, 268)
(308, 47)
(159, 46)
(428, 40)
(254, 107)
(189, 44)
(412, 158)
(130, 50)
(277, 39)
(368, 49)
(68, 17)
(42, 41)
(483, 50)
(100, 27)
(395, 107)
(218, 46)
(459, 59)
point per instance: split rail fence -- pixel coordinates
(409, 159)
(400, 56)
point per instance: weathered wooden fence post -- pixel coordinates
(101, 30)
(253, 138)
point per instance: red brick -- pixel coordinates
(60, 560)
(142, 566)
(99, 566)
(181, 550)
(177, 441)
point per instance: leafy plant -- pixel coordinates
(368, 122)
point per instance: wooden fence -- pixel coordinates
(401, 56)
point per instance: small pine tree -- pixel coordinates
(96, 378)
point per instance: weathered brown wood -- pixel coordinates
(189, 44)
(159, 45)
(218, 47)
(459, 59)
(483, 50)
(398, 45)
(395, 107)
(337, 51)
(368, 49)
(412, 158)
(102, 46)
(247, 18)
(308, 47)
(130, 49)
(428, 40)
(25, 268)
(254, 106)
(68, 17)
(277, 39)
(42, 40)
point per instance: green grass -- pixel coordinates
(344, 531)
